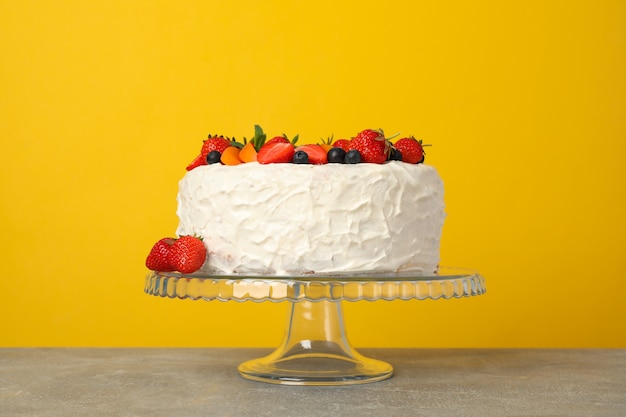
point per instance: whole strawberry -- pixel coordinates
(372, 145)
(411, 149)
(157, 258)
(343, 144)
(187, 254)
(212, 143)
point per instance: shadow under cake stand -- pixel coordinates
(315, 349)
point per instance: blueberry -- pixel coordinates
(300, 157)
(213, 157)
(337, 155)
(353, 157)
(395, 155)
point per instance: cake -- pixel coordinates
(300, 219)
(256, 215)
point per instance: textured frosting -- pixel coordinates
(289, 219)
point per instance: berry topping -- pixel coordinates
(337, 156)
(187, 254)
(213, 157)
(300, 157)
(157, 258)
(369, 146)
(411, 149)
(316, 153)
(353, 157)
(372, 145)
(278, 152)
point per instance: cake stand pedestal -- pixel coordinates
(315, 349)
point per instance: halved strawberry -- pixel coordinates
(317, 154)
(283, 139)
(277, 139)
(277, 152)
(198, 161)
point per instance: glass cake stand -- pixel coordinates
(315, 349)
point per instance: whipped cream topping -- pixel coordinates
(289, 219)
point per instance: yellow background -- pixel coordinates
(102, 104)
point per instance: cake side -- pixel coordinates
(290, 219)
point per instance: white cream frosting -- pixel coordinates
(289, 219)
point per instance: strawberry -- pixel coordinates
(157, 258)
(343, 144)
(198, 160)
(412, 150)
(277, 139)
(276, 152)
(212, 143)
(372, 145)
(283, 139)
(187, 254)
(317, 154)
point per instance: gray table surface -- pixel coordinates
(204, 382)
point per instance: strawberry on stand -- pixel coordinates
(186, 254)
(157, 258)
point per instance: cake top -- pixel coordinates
(367, 146)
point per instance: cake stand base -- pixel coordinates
(315, 351)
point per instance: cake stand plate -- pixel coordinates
(315, 349)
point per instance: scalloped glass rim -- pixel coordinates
(446, 283)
